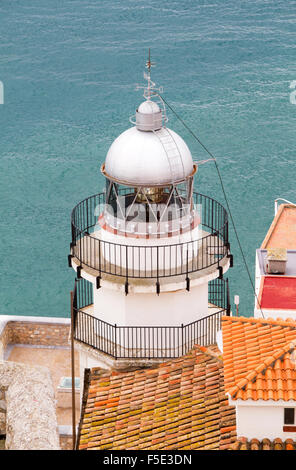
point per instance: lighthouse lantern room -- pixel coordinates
(149, 252)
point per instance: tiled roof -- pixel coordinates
(259, 358)
(181, 404)
(265, 444)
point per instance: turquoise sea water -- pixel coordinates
(69, 70)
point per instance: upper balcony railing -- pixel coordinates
(153, 261)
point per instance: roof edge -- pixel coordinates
(274, 224)
(277, 354)
(233, 391)
(288, 322)
(86, 384)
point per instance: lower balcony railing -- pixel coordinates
(147, 342)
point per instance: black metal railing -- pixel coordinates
(147, 342)
(142, 261)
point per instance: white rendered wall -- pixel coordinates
(156, 314)
(258, 278)
(269, 313)
(153, 227)
(150, 309)
(86, 361)
(263, 421)
(143, 259)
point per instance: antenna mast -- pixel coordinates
(150, 85)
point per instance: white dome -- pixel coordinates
(148, 107)
(148, 158)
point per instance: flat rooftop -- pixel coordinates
(278, 292)
(290, 266)
(282, 232)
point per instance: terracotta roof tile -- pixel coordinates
(181, 404)
(254, 444)
(260, 364)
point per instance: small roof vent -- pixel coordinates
(276, 260)
(149, 116)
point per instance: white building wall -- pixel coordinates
(263, 421)
(257, 312)
(141, 253)
(269, 313)
(150, 309)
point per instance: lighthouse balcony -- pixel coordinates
(138, 342)
(186, 243)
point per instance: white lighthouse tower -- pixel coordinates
(150, 252)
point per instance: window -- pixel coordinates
(289, 420)
(289, 415)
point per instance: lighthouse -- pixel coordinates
(150, 253)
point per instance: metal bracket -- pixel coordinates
(79, 268)
(70, 260)
(230, 256)
(187, 284)
(220, 272)
(157, 288)
(98, 282)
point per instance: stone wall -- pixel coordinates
(2, 411)
(5, 338)
(31, 422)
(33, 331)
(27, 402)
(44, 334)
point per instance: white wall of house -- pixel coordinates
(262, 419)
(269, 313)
(258, 278)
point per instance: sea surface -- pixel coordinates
(69, 70)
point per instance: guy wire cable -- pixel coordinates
(224, 193)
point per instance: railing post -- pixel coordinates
(73, 242)
(115, 327)
(157, 271)
(126, 268)
(187, 278)
(100, 267)
(228, 298)
(87, 222)
(182, 338)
